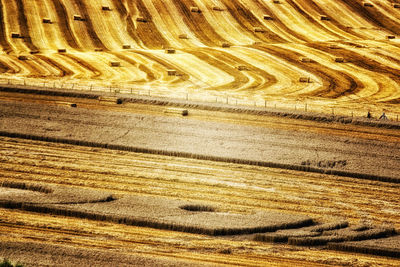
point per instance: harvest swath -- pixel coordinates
(190, 141)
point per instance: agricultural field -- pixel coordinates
(200, 132)
(331, 54)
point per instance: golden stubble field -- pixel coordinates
(332, 55)
(67, 203)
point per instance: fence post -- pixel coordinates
(305, 107)
(73, 85)
(265, 103)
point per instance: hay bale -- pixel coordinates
(195, 9)
(183, 112)
(391, 37)
(183, 36)
(62, 50)
(267, 17)
(242, 68)
(368, 4)
(22, 57)
(73, 105)
(334, 46)
(47, 21)
(306, 60)
(304, 79)
(126, 46)
(339, 60)
(105, 8)
(258, 29)
(109, 99)
(141, 19)
(171, 72)
(217, 8)
(115, 64)
(170, 51)
(15, 35)
(226, 45)
(324, 17)
(78, 18)
(98, 49)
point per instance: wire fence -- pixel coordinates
(389, 112)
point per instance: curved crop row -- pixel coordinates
(335, 52)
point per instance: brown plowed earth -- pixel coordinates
(81, 4)
(150, 75)
(261, 5)
(302, 10)
(164, 63)
(127, 16)
(231, 61)
(336, 83)
(3, 39)
(63, 70)
(361, 61)
(148, 32)
(22, 20)
(96, 72)
(222, 61)
(6, 68)
(195, 22)
(248, 21)
(378, 19)
(62, 18)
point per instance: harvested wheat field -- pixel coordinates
(200, 132)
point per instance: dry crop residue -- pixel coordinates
(366, 80)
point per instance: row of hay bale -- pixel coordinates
(353, 247)
(283, 236)
(355, 236)
(326, 233)
(25, 186)
(72, 211)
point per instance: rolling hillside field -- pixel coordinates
(328, 53)
(200, 132)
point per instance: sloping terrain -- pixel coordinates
(139, 168)
(328, 53)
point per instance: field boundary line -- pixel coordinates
(180, 154)
(164, 101)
